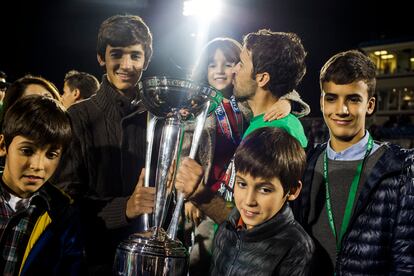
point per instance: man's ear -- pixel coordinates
(3, 148)
(371, 106)
(294, 192)
(76, 94)
(101, 60)
(262, 79)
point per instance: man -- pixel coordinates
(271, 65)
(357, 199)
(108, 151)
(78, 86)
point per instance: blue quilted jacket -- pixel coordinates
(380, 236)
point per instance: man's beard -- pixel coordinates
(244, 97)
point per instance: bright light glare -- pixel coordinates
(202, 8)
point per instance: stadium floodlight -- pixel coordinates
(202, 8)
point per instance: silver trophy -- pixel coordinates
(175, 101)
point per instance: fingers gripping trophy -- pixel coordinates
(175, 101)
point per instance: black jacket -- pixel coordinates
(102, 166)
(58, 245)
(279, 246)
(380, 235)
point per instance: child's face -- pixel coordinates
(257, 199)
(124, 65)
(220, 71)
(27, 166)
(344, 108)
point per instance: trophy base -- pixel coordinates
(151, 253)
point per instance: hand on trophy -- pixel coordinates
(189, 176)
(192, 213)
(142, 200)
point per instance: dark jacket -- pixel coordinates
(102, 168)
(279, 246)
(380, 235)
(59, 247)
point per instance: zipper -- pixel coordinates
(238, 246)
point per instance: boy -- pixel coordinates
(358, 195)
(39, 230)
(78, 86)
(108, 150)
(260, 236)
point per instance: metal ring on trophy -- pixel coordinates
(166, 97)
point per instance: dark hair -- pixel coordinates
(3, 75)
(231, 50)
(348, 67)
(86, 83)
(41, 119)
(16, 90)
(282, 55)
(123, 31)
(270, 152)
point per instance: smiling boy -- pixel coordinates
(260, 236)
(358, 194)
(39, 229)
(108, 150)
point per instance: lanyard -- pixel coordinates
(351, 195)
(224, 122)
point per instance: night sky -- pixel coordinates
(49, 38)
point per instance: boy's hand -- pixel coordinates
(142, 200)
(189, 176)
(278, 110)
(192, 213)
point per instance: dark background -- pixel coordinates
(49, 38)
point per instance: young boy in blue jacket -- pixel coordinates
(39, 229)
(261, 236)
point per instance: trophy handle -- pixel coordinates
(201, 119)
(152, 121)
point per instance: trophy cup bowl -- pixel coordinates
(175, 101)
(165, 97)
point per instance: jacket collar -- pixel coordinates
(38, 198)
(109, 99)
(264, 230)
(48, 198)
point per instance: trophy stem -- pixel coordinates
(152, 121)
(166, 167)
(201, 119)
